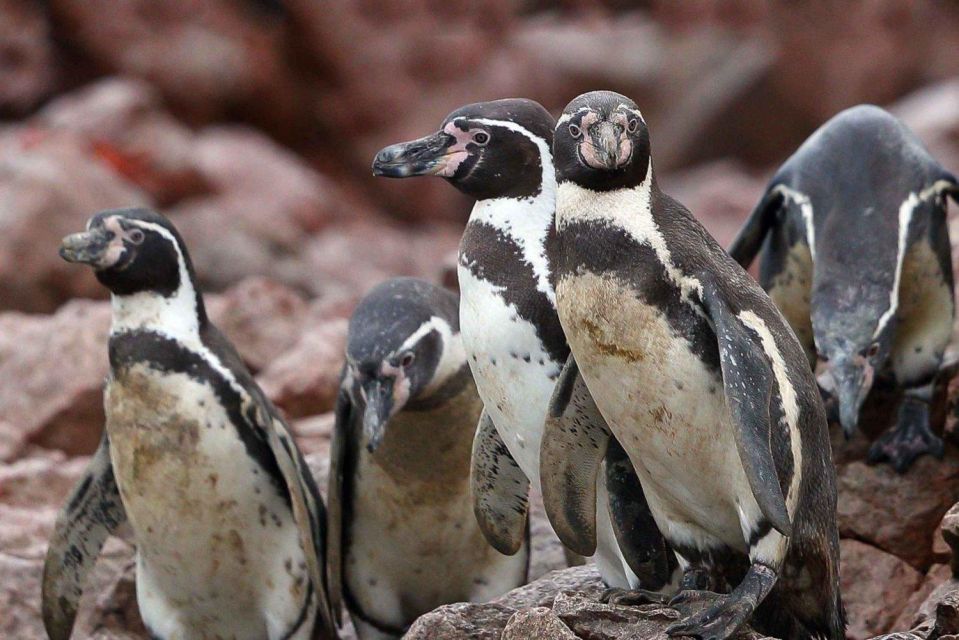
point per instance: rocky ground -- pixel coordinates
(252, 124)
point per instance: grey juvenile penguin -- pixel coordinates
(856, 255)
(403, 539)
(499, 153)
(701, 380)
(228, 522)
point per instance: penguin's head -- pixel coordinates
(853, 341)
(601, 142)
(496, 149)
(131, 251)
(403, 347)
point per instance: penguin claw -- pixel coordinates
(631, 597)
(719, 621)
(901, 447)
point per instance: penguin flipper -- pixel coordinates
(750, 238)
(92, 512)
(500, 490)
(574, 443)
(748, 386)
(639, 538)
(343, 415)
(307, 512)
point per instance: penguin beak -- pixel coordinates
(853, 383)
(606, 150)
(379, 406)
(87, 247)
(428, 156)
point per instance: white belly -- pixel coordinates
(414, 547)
(666, 409)
(514, 375)
(218, 550)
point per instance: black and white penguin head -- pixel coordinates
(140, 257)
(602, 143)
(403, 346)
(497, 149)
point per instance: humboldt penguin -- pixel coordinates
(402, 537)
(683, 358)
(856, 254)
(228, 522)
(499, 153)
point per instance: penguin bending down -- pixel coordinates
(228, 522)
(857, 257)
(701, 380)
(499, 153)
(402, 536)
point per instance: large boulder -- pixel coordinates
(50, 184)
(27, 71)
(875, 588)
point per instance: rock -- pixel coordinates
(27, 72)
(53, 369)
(267, 206)
(215, 61)
(875, 588)
(313, 435)
(350, 260)
(536, 623)
(898, 513)
(50, 184)
(933, 114)
(12, 441)
(949, 528)
(261, 317)
(461, 621)
(40, 481)
(548, 552)
(125, 125)
(912, 616)
(304, 380)
(542, 592)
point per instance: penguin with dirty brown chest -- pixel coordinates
(403, 538)
(677, 353)
(228, 522)
(856, 253)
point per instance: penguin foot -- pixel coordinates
(632, 597)
(909, 439)
(718, 621)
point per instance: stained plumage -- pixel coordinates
(681, 357)
(228, 522)
(499, 153)
(856, 254)
(403, 538)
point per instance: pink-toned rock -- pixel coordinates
(898, 513)
(53, 369)
(875, 588)
(211, 60)
(27, 72)
(125, 125)
(913, 616)
(313, 435)
(50, 184)
(12, 441)
(538, 622)
(933, 114)
(40, 481)
(304, 380)
(348, 261)
(261, 317)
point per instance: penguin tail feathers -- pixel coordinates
(750, 238)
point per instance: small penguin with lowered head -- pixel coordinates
(403, 538)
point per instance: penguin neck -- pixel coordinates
(180, 316)
(627, 208)
(527, 222)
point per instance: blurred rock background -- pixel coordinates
(252, 123)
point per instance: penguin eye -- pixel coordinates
(632, 125)
(575, 131)
(481, 138)
(407, 359)
(136, 236)
(873, 350)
